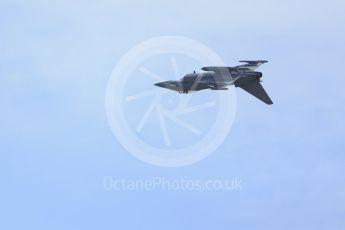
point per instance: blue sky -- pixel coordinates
(56, 145)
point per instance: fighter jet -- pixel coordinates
(220, 78)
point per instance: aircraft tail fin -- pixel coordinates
(256, 89)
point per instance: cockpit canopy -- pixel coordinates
(190, 76)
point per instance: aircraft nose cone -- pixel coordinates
(160, 84)
(172, 85)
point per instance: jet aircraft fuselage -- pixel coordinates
(220, 78)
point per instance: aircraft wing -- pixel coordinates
(252, 65)
(256, 89)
